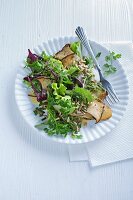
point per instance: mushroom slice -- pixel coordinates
(101, 94)
(99, 111)
(70, 60)
(107, 113)
(66, 50)
(79, 114)
(84, 121)
(33, 97)
(45, 81)
(88, 116)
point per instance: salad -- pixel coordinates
(64, 90)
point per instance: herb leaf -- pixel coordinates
(89, 61)
(108, 67)
(98, 55)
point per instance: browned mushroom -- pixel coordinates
(99, 111)
(45, 81)
(66, 50)
(100, 94)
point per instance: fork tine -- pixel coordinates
(112, 99)
(108, 101)
(113, 92)
(112, 96)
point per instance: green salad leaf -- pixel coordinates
(76, 136)
(55, 124)
(72, 70)
(76, 48)
(36, 66)
(45, 56)
(65, 106)
(56, 65)
(37, 85)
(27, 83)
(83, 94)
(58, 91)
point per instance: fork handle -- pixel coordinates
(83, 38)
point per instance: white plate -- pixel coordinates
(91, 132)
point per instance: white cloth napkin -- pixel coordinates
(117, 145)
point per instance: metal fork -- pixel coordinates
(112, 96)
